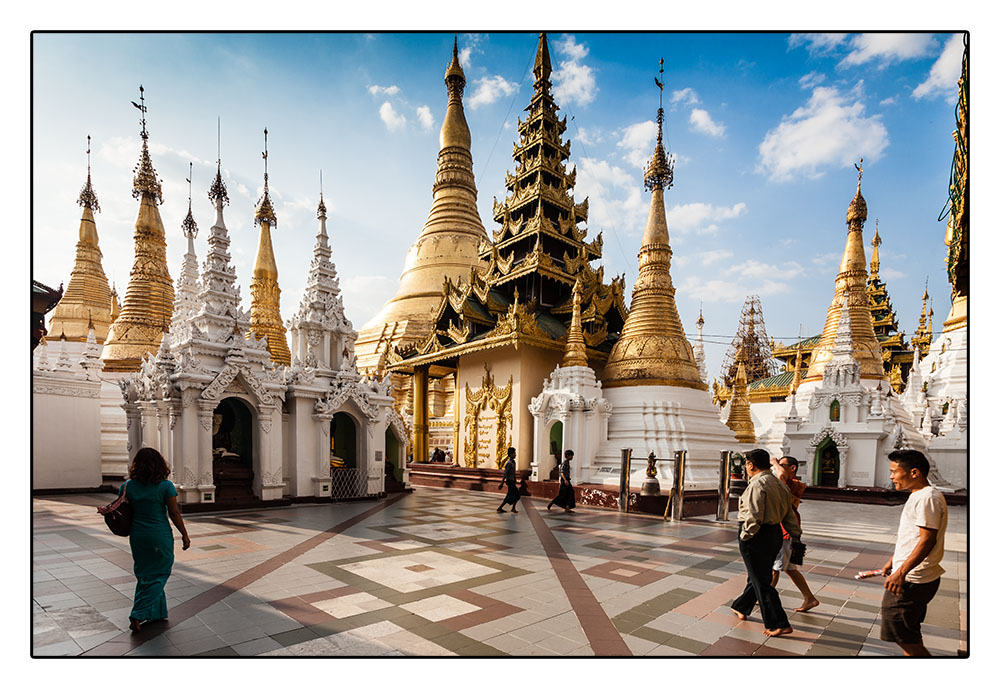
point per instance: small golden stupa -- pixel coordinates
(149, 297)
(87, 299)
(265, 295)
(851, 284)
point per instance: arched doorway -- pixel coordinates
(555, 448)
(827, 464)
(232, 451)
(343, 441)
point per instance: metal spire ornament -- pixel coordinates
(88, 199)
(218, 191)
(265, 211)
(659, 174)
(189, 226)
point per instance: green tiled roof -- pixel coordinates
(779, 381)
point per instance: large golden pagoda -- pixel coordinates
(851, 284)
(149, 297)
(957, 235)
(653, 349)
(265, 295)
(87, 299)
(447, 247)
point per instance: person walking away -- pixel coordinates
(151, 541)
(787, 469)
(765, 507)
(565, 498)
(510, 479)
(914, 572)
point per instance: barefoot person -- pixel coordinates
(566, 498)
(151, 541)
(787, 469)
(914, 572)
(510, 479)
(765, 507)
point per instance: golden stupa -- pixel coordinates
(653, 349)
(740, 421)
(851, 284)
(265, 295)
(87, 300)
(448, 245)
(576, 346)
(149, 297)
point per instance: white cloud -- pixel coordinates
(816, 43)
(943, 78)
(729, 290)
(685, 96)
(891, 274)
(425, 117)
(588, 136)
(827, 260)
(573, 81)
(393, 120)
(702, 122)
(887, 48)
(701, 218)
(616, 199)
(891, 100)
(756, 269)
(491, 89)
(707, 258)
(812, 80)
(829, 130)
(470, 45)
(637, 142)
(377, 90)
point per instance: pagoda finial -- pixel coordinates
(576, 347)
(189, 226)
(88, 199)
(265, 211)
(659, 173)
(321, 208)
(145, 181)
(217, 192)
(857, 212)
(543, 65)
(876, 243)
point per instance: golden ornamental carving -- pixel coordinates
(490, 397)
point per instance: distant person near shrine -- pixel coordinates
(914, 572)
(438, 455)
(510, 479)
(151, 541)
(787, 469)
(765, 508)
(566, 497)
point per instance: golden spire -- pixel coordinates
(653, 349)
(576, 347)
(851, 285)
(87, 293)
(543, 66)
(265, 295)
(739, 420)
(448, 244)
(149, 297)
(797, 378)
(876, 243)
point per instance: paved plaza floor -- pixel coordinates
(439, 573)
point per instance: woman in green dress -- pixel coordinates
(152, 497)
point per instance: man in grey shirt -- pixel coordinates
(765, 506)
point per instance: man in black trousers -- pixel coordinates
(765, 506)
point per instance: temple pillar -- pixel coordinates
(321, 477)
(420, 428)
(268, 479)
(206, 480)
(133, 424)
(149, 436)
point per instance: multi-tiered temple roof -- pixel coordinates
(523, 292)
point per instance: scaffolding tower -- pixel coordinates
(751, 338)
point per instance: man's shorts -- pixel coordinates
(903, 613)
(783, 562)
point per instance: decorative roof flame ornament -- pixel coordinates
(653, 349)
(265, 211)
(321, 208)
(850, 287)
(576, 347)
(145, 181)
(88, 198)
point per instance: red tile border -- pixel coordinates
(643, 573)
(600, 630)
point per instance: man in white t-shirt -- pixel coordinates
(914, 572)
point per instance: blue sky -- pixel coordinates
(765, 127)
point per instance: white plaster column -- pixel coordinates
(150, 436)
(268, 473)
(133, 423)
(206, 481)
(321, 468)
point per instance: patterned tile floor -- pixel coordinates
(439, 573)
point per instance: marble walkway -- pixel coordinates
(439, 573)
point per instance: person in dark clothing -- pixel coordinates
(438, 455)
(566, 497)
(510, 479)
(765, 507)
